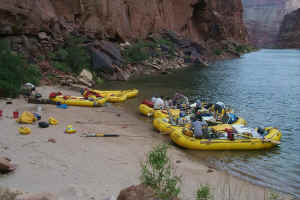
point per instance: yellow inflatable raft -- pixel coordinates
(146, 110)
(271, 139)
(117, 98)
(129, 93)
(79, 101)
(163, 125)
(164, 113)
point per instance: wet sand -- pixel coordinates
(97, 168)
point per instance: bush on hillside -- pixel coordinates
(15, 71)
(72, 57)
(139, 51)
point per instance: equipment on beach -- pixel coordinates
(23, 130)
(98, 135)
(70, 129)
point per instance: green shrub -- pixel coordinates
(77, 56)
(169, 44)
(139, 51)
(203, 193)
(273, 195)
(15, 71)
(62, 66)
(12, 71)
(73, 57)
(218, 52)
(32, 74)
(157, 173)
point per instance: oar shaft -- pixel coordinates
(101, 135)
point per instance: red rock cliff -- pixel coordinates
(289, 35)
(124, 19)
(263, 19)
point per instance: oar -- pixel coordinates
(99, 135)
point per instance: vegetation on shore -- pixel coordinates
(71, 57)
(143, 50)
(157, 173)
(15, 71)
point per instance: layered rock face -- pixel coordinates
(37, 27)
(124, 19)
(289, 35)
(263, 19)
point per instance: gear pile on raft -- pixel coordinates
(205, 126)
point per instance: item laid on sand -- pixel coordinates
(240, 142)
(98, 135)
(26, 118)
(62, 106)
(43, 124)
(37, 116)
(70, 129)
(23, 130)
(52, 121)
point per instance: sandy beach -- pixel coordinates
(78, 168)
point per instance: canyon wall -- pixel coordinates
(263, 19)
(124, 19)
(289, 34)
(214, 28)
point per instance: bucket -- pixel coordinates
(15, 114)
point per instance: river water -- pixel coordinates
(264, 88)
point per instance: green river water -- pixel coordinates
(264, 88)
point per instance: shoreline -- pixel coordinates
(87, 168)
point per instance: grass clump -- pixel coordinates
(203, 193)
(274, 195)
(157, 173)
(15, 71)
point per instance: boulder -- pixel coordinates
(100, 61)
(39, 196)
(138, 192)
(43, 36)
(112, 50)
(86, 78)
(6, 165)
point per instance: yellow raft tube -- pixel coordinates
(79, 101)
(270, 140)
(120, 93)
(148, 111)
